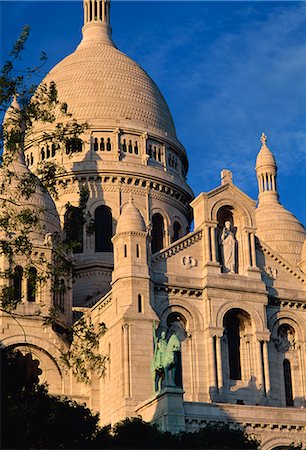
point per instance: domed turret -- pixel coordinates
(40, 200)
(276, 226)
(130, 220)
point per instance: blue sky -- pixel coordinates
(228, 70)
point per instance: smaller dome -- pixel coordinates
(281, 230)
(303, 257)
(39, 201)
(130, 220)
(12, 111)
(265, 157)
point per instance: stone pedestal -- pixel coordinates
(166, 410)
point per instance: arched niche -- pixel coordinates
(288, 366)
(235, 226)
(103, 229)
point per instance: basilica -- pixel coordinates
(202, 326)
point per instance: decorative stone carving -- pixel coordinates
(272, 272)
(188, 262)
(166, 363)
(286, 339)
(228, 247)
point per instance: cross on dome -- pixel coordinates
(263, 138)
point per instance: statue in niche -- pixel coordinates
(286, 339)
(228, 244)
(166, 363)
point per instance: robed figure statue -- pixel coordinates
(228, 245)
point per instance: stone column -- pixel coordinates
(214, 377)
(266, 366)
(143, 148)
(213, 243)
(127, 360)
(253, 249)
(117, 148)
(207, 241)
(219, 362)
(260, 371)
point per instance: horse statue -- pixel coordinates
(166, 360)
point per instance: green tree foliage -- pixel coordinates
(38, 105)
(31, 418)
(20, 217)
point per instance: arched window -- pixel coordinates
(48, 154)
(96, 145)
(42, 154)
(17, 283)
(130, 147)
(177, 231)
(139, 301)
(31, 284)
(73, 145)
(108, 145)
(232, 329)
(158, 231)
(103, 229)
(288, 383)
(125, 250)
(53, 150)
(136, 148)
(124, 146)
(74, 228)
(102, 145)
(137, 251)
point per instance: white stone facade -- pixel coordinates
(243, 344)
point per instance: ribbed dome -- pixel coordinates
(281, 230)
(103, 86)
(265, 158)
(303, 258)
(40, 201)
(130, 220)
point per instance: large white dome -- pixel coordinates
(103, 86)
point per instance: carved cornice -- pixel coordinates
(281, 262)
(175, 290)
(287, 303)
(178, 246)
(126, 183)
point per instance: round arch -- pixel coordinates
(163, 213)
(51, 371)
(277, 443)
(191, 313)
(255, 316)
(241, 211)
(287, 317)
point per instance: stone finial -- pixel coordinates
(263, 139)
(226, 176)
